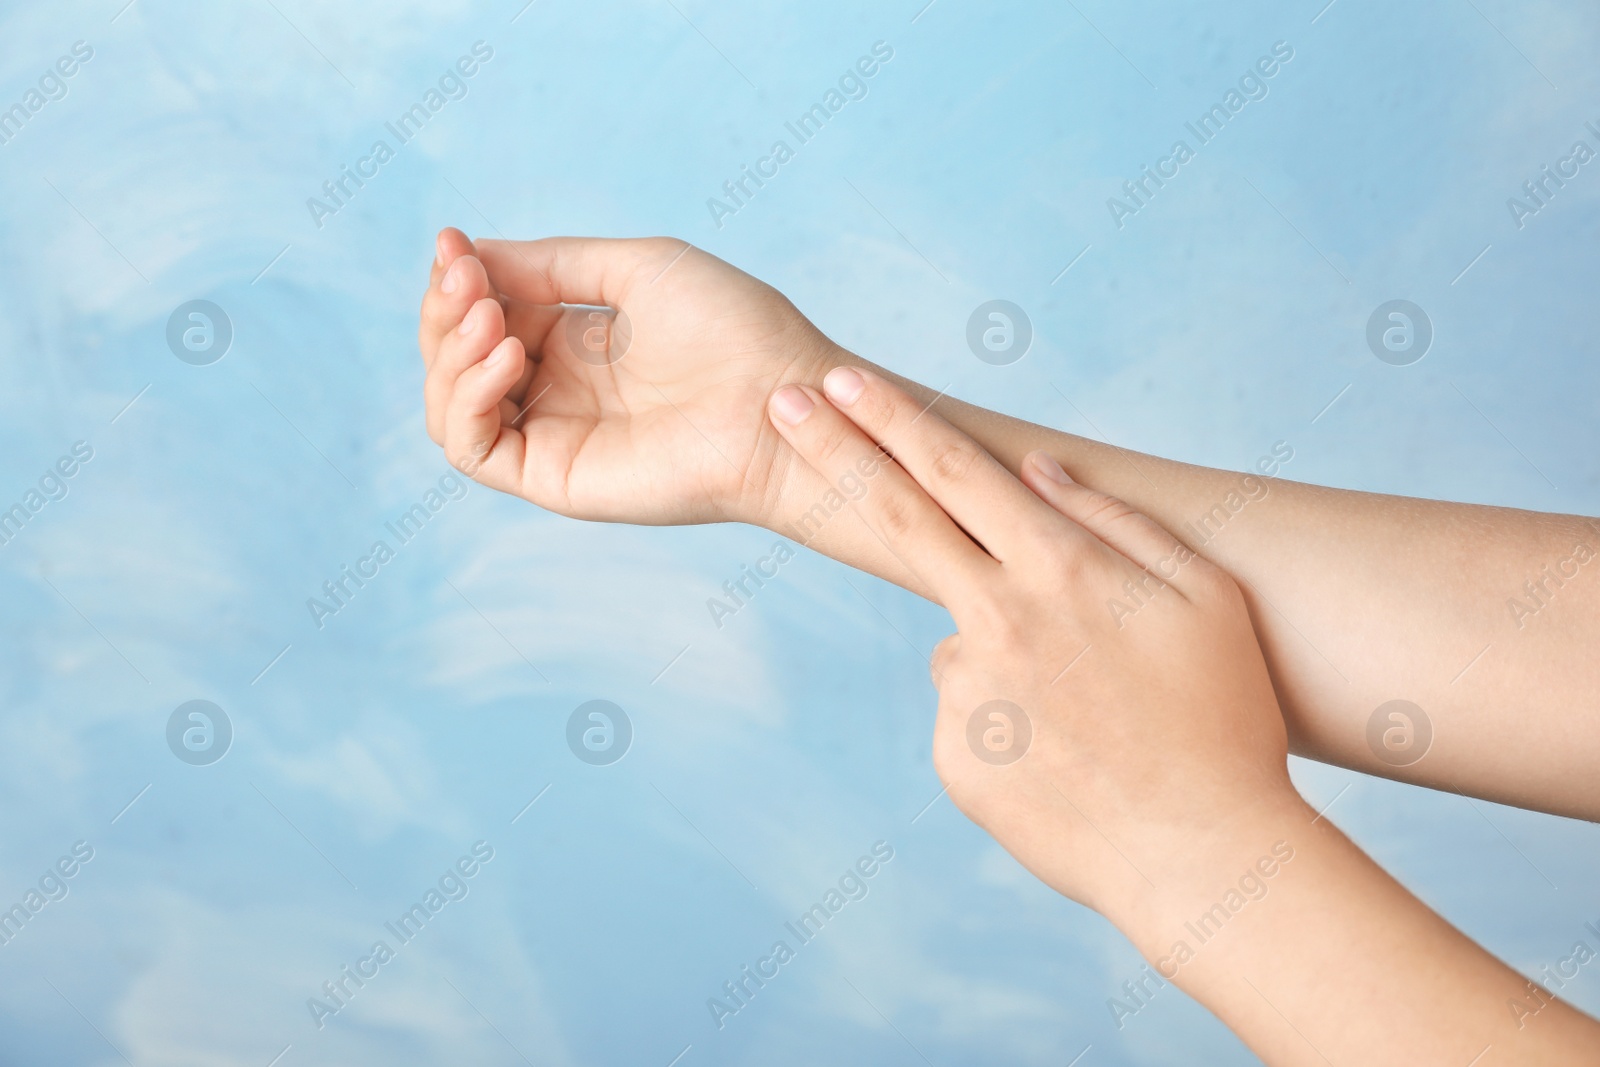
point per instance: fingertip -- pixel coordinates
(463, 270)
(1045, 466)
(792, 404)
(844, 385)
(484, 311)
(448, 246)
(484, 384)
(452, 242)
(503, 356)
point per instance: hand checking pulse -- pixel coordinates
(1148, 737)
(1135, 762)
(1138, 764)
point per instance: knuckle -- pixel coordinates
(1065, 573)
(432, 312)
(1043, 541)
(943, 660)
(558, 259)
(895, 517)
(952, 461)
(668, 246)
(1064, 566)
(873, 408)
(1103, 509)
(830, 444)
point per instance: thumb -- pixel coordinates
(599, 271)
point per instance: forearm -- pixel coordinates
(1313, 955)
(1358, 599)
(1150, 782)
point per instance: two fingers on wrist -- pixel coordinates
(942, 487)
(930, 494)
(863, 470)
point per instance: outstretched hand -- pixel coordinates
(655, 415)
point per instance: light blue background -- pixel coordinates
(778, 749)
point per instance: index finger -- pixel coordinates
(962, 478)
(894, 507)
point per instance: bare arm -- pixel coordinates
(1148, 780)
(1484, 618)
(1328, 959)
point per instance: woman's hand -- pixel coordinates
(1104, 709)
(1105, 713)
(653, 417)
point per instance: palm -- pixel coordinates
(675, 431)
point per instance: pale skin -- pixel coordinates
(1156, 780)
(1355, 599)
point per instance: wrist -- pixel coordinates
(1205, 877)
(783, 490)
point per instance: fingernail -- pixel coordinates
(791, 404)
(498, 356)
(451, 281)
(843, 385)
(1047, 466)
(469, 323)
